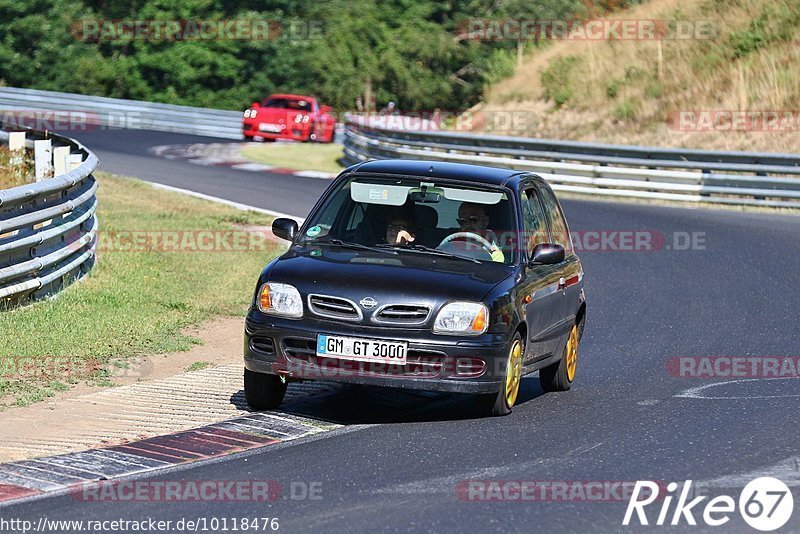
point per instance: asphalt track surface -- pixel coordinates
(397, 468)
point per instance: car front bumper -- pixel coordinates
(287, 347)
(251, 129)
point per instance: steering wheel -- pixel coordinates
(485, 245)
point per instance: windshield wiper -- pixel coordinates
(352, 245)
(430, 250)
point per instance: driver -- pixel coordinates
(472, 218)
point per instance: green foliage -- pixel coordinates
(557, 79)
(774, 24)
(612, 89)
(406, 49)
(626, 110)
(654, 89)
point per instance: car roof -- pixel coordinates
(439, 169)
(297, 97)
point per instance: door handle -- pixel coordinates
(562, 283)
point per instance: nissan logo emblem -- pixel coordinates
(368, 303)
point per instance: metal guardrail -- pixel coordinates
(738, 178)
(48, 229)
(101, 112)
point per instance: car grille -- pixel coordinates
(402, 314)
(299, 348)
(334, 307)
(264, 345)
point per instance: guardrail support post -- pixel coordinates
(60, 160)
(16, 141)
(16, 144)
(43, 159)
(74, 161)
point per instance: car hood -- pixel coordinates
(403, 278)
(279, 115)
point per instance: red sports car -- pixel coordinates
(295, 117)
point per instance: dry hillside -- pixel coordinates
(629, 91)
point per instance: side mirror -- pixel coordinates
(325, 109)
(255, 105)
(547, 254)
(285, 228)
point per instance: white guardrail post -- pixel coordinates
(684, 175)
(48, 229)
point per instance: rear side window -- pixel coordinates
(559, 234)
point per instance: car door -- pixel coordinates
(569, 271)
(538, 289)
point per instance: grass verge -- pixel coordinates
(142, 293)
(297, 156)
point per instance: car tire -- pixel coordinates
(500, 403)
(263, 391)
(559, 376)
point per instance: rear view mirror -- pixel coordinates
(547, 254)
(425, 197)
(325, 109)
(284, 228)
(255, 105)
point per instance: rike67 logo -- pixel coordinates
(765, 504)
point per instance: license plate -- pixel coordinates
(368, 350)
(264, 127)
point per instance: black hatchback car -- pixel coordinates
(423, 275)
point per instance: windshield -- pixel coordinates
(287, 103)
(417, 216)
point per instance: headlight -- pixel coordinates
(280, 299)
(462, 318)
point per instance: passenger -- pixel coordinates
(400, 231)
(472, 218)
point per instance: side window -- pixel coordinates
(559, 234)
(331, 216)
(355, 218)
(533, 221)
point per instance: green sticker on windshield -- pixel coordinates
(313, 231)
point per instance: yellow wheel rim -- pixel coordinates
(514, 373)
(572, 353)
